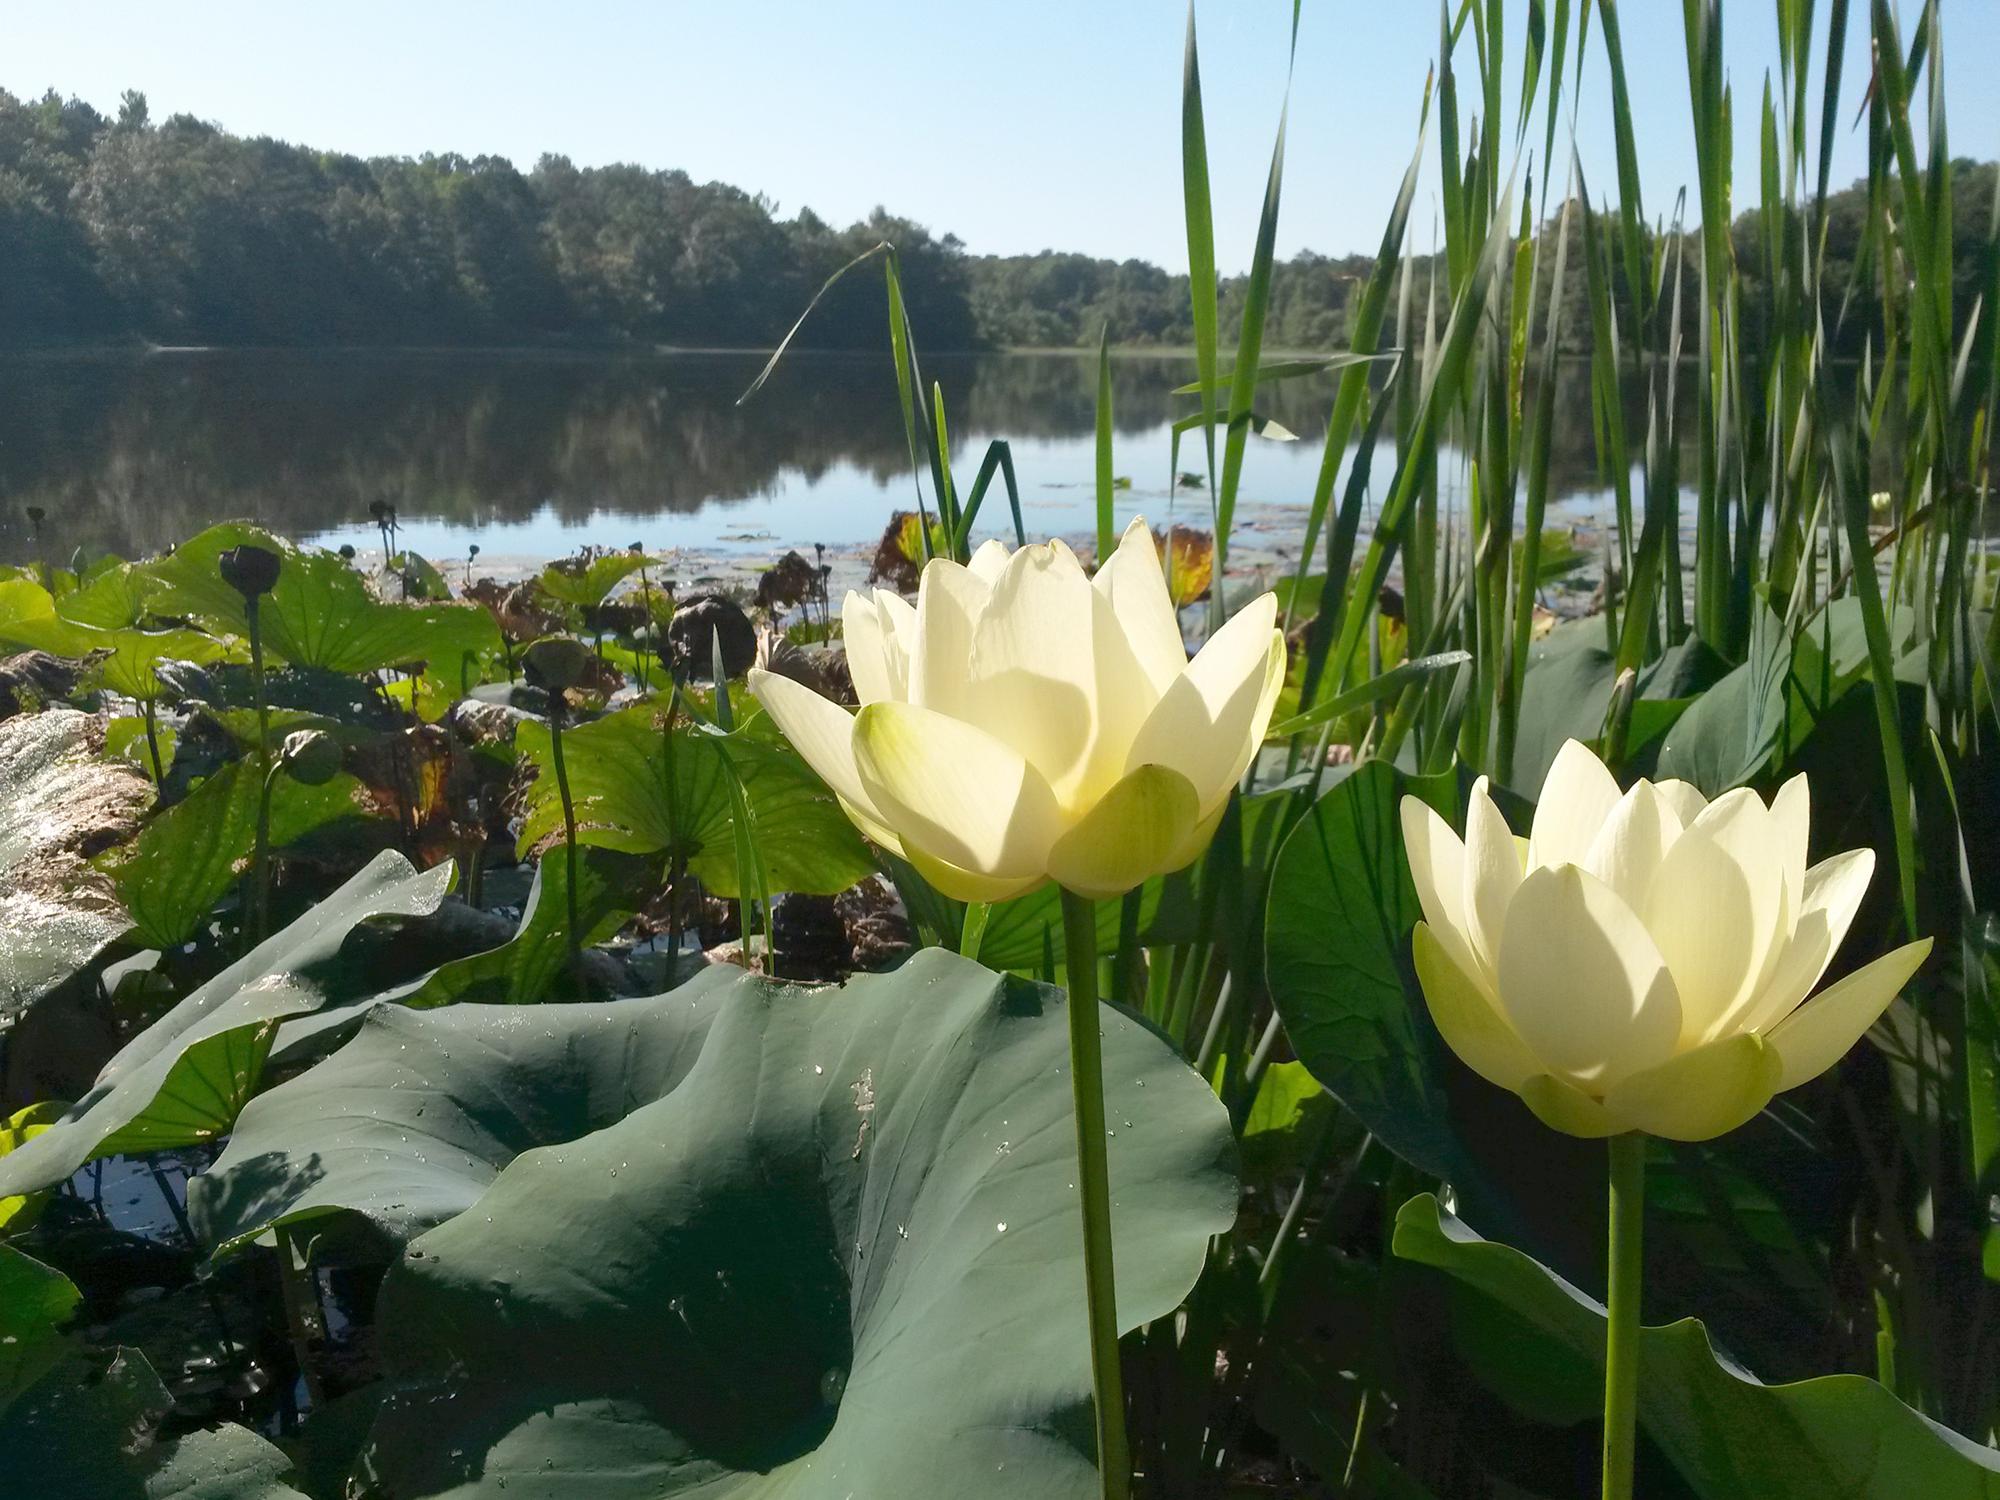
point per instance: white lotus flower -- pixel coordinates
(1026, 722)
(1642, 961)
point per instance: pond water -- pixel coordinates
(532, 455)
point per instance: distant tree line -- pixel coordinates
(115, 229)
(1060, 299)
(178, 232)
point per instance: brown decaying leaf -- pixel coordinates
(521, 612)
(1190, 563)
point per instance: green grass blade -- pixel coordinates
(1200, 216)
(1540, 439)
(884, 248)
(1368, 318)
(1631, 207)
(909, 384)
(1249, 349)
(1106, 531)
(1374, 690)
(1441, 392)
(999, 460)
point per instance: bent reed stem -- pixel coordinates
(1621, 1349)
(1093, 1180)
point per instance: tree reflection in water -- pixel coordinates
(131, 453)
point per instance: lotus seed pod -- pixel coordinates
(310, 757)
(555, 662)
(252, 571)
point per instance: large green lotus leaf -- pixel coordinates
(20, 1211)
(171, 876)
(321, 614)
(129, 658)
(28, 620)
(1729, 1434)
(89, 1431)
(56, 796)
(133, 667)
(1337, 936)
(115, 599)
(1727, 736)
(625, 799)
(586, 581)
(822, 1242)
(35, 1301)
(183, 1079)
(1568, 689)
(395, 1127)
(1841, 630)
(416, 576)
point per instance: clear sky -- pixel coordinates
(1019, 126)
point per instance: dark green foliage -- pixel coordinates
(179, 232)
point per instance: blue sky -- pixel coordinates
(1018, 125)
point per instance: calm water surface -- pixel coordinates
(533, 455)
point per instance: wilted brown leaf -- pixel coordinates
(521, 611)
(1190, 563)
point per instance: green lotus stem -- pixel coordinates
(1124, 967)
(260, 901)
(1093, 1180)
(260, 863)
(972, 932)
(1621, 1348)
(153, 741)
(256, 633)
(569, 832)
(676, 860)
(646, 593)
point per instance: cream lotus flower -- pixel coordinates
(1027, 722)
(1639, 962)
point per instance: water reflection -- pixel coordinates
(131, 453)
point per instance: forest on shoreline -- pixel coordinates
(126, 230)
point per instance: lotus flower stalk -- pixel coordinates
(1640, 965)
(1025, 722)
